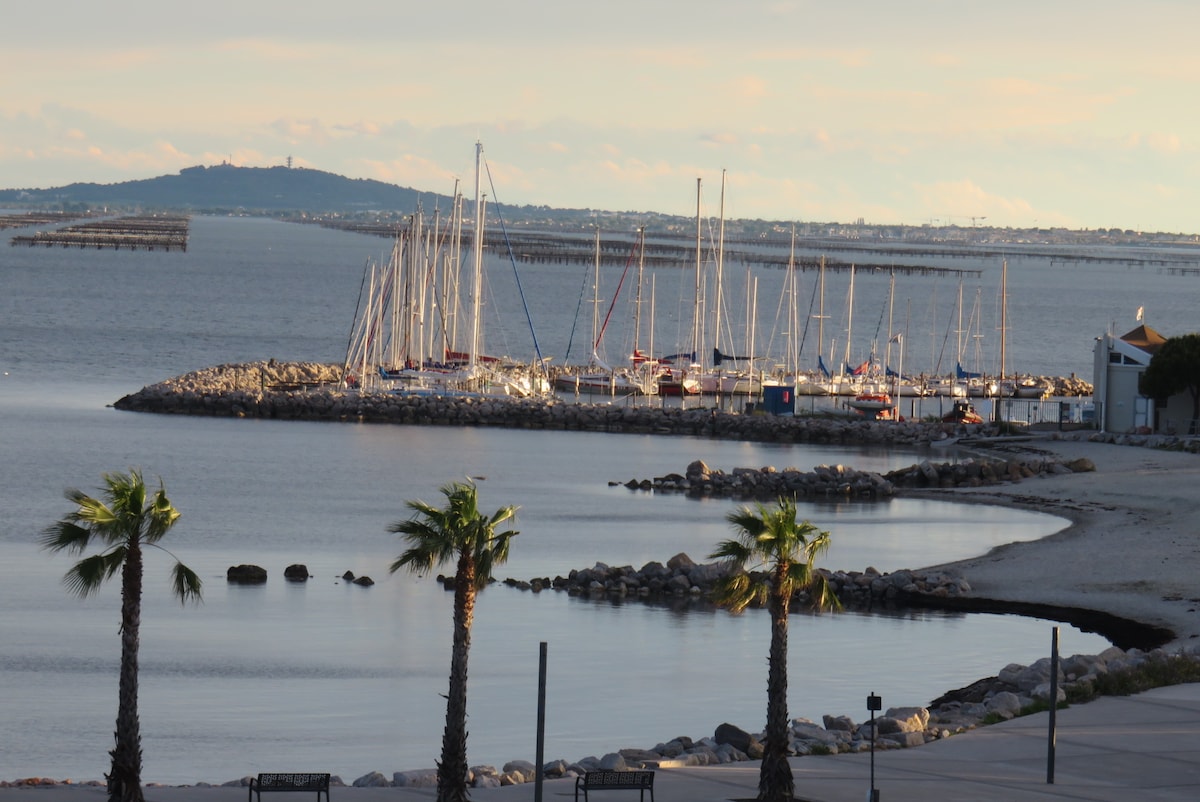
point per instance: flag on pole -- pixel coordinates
(1141, 313)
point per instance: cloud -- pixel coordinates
(746, 87)
(411, 170)
(273, 50)
(1157, 142)
(362, 128)
(957, 201)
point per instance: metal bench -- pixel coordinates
(313, 783)
(640, 781)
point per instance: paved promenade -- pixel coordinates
(1144, 747)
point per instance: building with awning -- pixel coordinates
(1119, 363)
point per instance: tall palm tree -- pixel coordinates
(125, 522)
(771, 560)
(460, 533)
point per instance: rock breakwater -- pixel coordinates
(839, 481)
(311, 391)
(683, 577)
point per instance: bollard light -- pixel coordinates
(873, 703)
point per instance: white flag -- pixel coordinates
(1141, 312)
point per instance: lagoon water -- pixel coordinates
(331, 676)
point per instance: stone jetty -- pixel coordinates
(835, 482)
(312, 391)
(682, 577)
(824, 481)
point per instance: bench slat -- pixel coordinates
(607, 780)
(294, 781)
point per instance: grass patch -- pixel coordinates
(1152, 674)
(1037, 706)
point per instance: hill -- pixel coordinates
(227, 188)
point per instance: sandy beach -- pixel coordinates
(1132, 549)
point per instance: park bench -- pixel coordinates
(313, 783)
(640, 781)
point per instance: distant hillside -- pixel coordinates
(225, 187)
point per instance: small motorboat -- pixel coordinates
(871, 402)
(962, 412)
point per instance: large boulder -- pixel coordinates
(296, 572)
(373, 780)
(418, 778)
(246, 574)
(736, 737)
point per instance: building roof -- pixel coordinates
(1144, 338)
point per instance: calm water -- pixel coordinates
(350, 679)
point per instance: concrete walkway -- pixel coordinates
(1144, 747)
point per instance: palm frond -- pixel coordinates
(86, 576)
(95, 514)
(186, 584)
(732, 550)
(416, 561)
(65, 536)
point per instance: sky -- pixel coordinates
(1055, 113)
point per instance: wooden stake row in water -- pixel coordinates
(160, 232)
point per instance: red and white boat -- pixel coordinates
(871, 401)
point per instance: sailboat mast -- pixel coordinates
(821, 311)
(477, 273)
(1003, 315)
(792, 361)
(637, 306)
(452, 292)
(959, 355)
(849, 314)
(696, 321)
(720, 277)
(596, 294)
(891, 310)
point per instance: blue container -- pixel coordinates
(779, 400)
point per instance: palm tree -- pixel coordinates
(457, 532)
(769, 561)
(125, 522)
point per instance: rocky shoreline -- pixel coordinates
(1015, 690)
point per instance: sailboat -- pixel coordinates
(392, 346)
(681, 373)
(598, 378)
(788, 373)
(717, 379)
(818, 381)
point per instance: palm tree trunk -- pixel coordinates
(775, 783)
(452, 770)
(125, 778)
